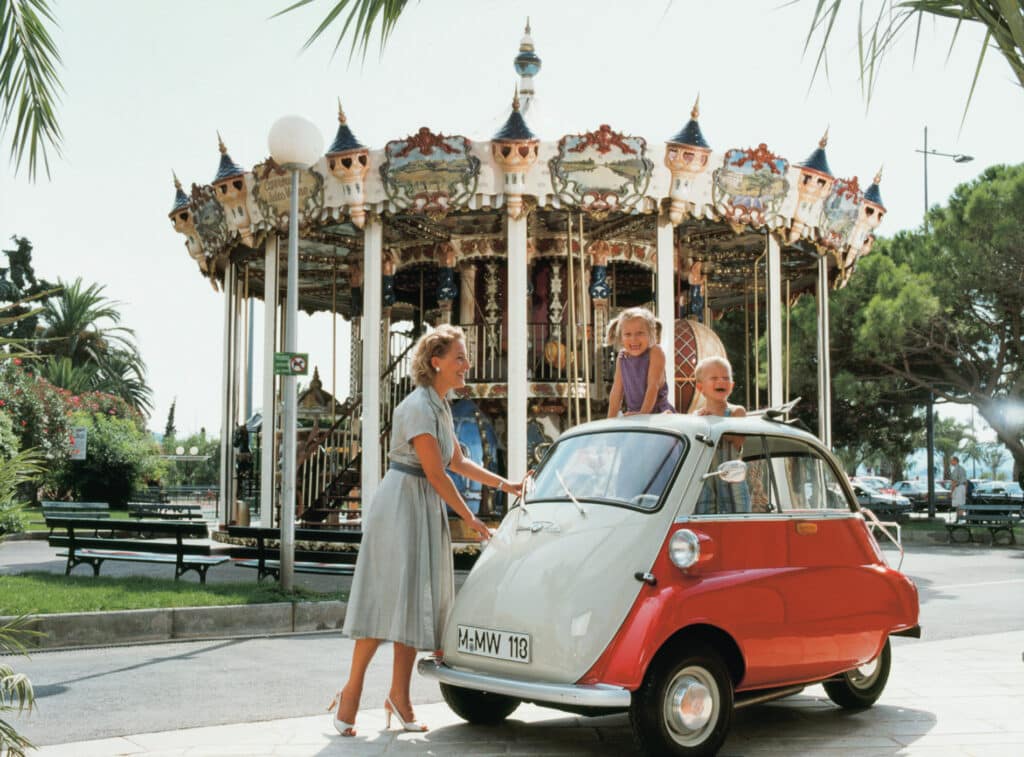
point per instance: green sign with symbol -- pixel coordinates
(291, 363)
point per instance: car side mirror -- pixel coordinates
(731, 471)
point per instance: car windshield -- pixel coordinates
(631, 468)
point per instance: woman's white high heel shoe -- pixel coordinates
(390, 709)
(345, 729)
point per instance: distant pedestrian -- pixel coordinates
(957, 482)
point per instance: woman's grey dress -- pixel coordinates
(404, 583)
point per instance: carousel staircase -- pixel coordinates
(329, 466)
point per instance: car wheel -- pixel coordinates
(684, 706)
(861, 687)
(478, 707)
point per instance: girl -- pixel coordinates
(640, 367)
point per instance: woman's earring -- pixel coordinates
(437, 369)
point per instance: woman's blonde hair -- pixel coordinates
(613, 335)
(433, 344)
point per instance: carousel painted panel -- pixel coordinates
(272, 186)
(430, 173)
(839, 215)
(601, 171)
(751, 187)
(211, 223)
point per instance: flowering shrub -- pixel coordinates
(37, 410)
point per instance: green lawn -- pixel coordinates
(44, 593)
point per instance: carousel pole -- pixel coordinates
(227, 389)
(666, 291)
(824, 364)
(773, 305)
(373, 250)
(573, 352)
(516, 281)
(585, 310)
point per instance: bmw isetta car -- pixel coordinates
(647, 573)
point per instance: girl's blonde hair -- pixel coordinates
(613, 335)
(705, 362)
(431, 345)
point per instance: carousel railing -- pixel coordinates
(396, 383)
(325, 464)
(550, 354)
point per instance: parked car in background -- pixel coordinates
(886, 506)
(881, 483)
(640, 575)
(917, 493)
(998, 493)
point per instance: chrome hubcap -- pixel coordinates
(691, 705)
(865, 675)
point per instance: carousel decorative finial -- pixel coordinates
(527, 24)
(349, 162)
(180, 198)
(872, 193)
(515, 148)
(232, 194)
(872, 211)
(816, 182)
(228, 168)
(220, 144)
(686, 156)
(526, 64)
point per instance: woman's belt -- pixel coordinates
(412, 470)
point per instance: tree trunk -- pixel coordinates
(1009, 434)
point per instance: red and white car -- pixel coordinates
(641, 575)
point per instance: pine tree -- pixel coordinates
(169, 429)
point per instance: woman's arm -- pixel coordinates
(429, 455)
(615, 398)
(655, 378)
(470, 469)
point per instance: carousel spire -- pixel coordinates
(227, 168)
(515, 128)
(527, 64)
(691, 134)
(180, 198)
(872, 194)
(817, 161)
(344, 139)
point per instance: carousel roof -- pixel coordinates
(872, 193)
(443, 195)
(180, 198)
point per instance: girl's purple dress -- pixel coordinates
(634, 383)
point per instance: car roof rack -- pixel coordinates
(778, 413)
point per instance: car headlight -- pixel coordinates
(684, 548)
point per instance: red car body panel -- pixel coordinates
(803, 599)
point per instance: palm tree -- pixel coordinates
(362, 16)
(16, 694)
(1003, 21)
(993, 457)
(89, 348)
(28, 83)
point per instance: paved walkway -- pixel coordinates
(951, 697)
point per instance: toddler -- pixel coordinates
(714, 380)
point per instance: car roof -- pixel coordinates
(689, 425)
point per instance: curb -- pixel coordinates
(93, 629)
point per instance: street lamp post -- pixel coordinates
(295, 144)
(957, 158)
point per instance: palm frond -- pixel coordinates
(29, 85)
(362, 17)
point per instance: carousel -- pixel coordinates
(530, 243)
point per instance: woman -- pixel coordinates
(404, 582)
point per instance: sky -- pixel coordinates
(148, 85)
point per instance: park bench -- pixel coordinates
(165, 511)
(153, 496)
(95, 549)
(265, 555)
(93, 510)
(998, 520)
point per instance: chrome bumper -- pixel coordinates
(595, 695)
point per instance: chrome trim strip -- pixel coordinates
(596, 695)
(822, 514)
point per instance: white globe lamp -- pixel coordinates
(295, 142)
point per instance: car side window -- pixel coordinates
(803, 479)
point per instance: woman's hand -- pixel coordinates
(480, 527)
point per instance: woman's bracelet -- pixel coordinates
(501, 486)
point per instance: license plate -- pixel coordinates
(501, 645)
